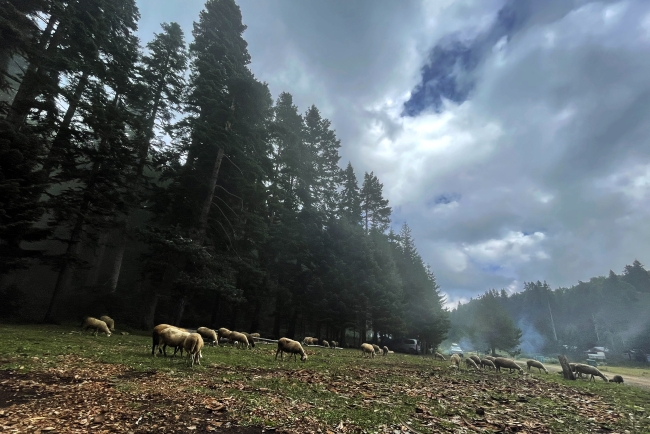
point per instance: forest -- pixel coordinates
(607, 311)
(160, 181)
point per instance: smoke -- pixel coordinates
(466, 344)
(531, 341)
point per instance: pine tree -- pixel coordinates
(374, 208)
(350, 199)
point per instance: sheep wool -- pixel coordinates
(109, 322)
(286, 345)
(98, 325)
(367, 349)
(535, 364)
(208, 335)
(193, 343)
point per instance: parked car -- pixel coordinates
(455, 349)
(406, 345)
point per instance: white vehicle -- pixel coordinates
(407, 346)
(455, 349)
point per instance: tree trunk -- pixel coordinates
(255, 322)
(215, 311)
(150, 315)
(566, 370)
(207, 202)
(291, 332)
(278, 318)
(93, 275)
(180, 311)
(117, 261)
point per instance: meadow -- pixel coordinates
(57, 379)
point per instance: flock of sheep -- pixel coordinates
(192, 342)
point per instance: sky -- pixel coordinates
(511, 135)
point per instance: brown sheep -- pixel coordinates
(385, 350)
(98, 325)
(367, 348)
(470, 363)
(616, 379)
(536, 364)
(173, 337)
(438, 356)
(109, 322)
(455, 360)
(286, 345)
(155, 335)
(193, 343)
(590, 370)
(486, 362)
(326, 344)
(502, 362)
(476, 359)
(490, 358)
(208, 335)
(251, 339)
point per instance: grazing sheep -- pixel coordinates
(94, 323)
(251, 339)
(223, 333)
(376, 348)
(326, 344)
(236, 337)
(367, 348)
(173, 337)
(502, 362)
(109, 322)
(156, 338)
(455, 360)
(193, 343)
(255, 335)
(490, 358)
(208, 334)
(470, 363)
(310, 341)
(286, 345)
(536, 364)
(486, 362)
(385, 350)
(438, 356)
(616, 379)
(572, 367)
(476, 359)
(334, 344)
(589, 370)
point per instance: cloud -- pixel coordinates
(524, 155)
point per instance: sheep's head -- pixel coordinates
(303, 357)
(108, 334)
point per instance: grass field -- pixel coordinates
(55, 379)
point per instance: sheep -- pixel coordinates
(470, 363)
(502, 362)
(572, 367)
(173, 337)
(334, 344)
(223, 333)
(490, 358)
(367, 348)
(376, 348)
(536, 364)
(476, 359)
(208, 334)
(240, 338)
(94, 323)
(109, 322)
(193, 343)
(156, 338)
(589, 370)
(286, 345)
(255, 335)
(437, 355)
(385, 350)
(326, 344)
(486, 362)
(455, 360)
(616, 379)
(251, 339)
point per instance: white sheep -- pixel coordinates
(455, 360)
(286, 345)
(590, 370)
(536, 364)
(155, 336)
(208, 335)
(193, 343)
(385, 350)
(376, 348)
(236, 337)
(502, 362)
(94, 323)
(173, 337)
(109, 322)
(223, 333)
(369, 349)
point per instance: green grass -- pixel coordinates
(336, 386)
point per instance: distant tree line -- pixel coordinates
(609, 311)
(163, 184)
